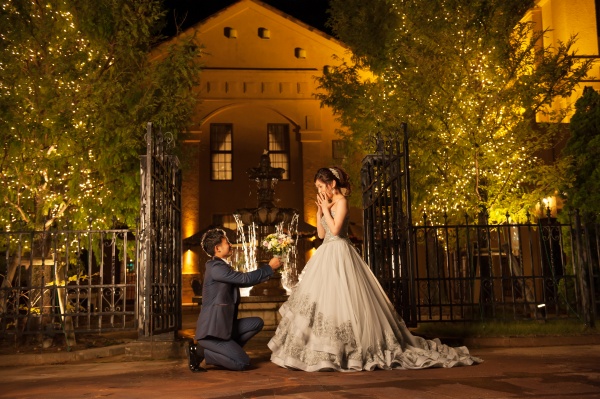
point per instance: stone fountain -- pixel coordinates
(266, 215)
(253, 224)
(256, 223)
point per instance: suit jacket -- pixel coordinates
(221, 297)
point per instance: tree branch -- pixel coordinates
(18, 208)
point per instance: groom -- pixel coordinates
(219, 332)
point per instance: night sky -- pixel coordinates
(312, 12)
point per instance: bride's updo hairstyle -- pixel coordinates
(341, 178)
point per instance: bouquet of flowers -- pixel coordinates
(277, 244)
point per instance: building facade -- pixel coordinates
(564, 19)
(257, 94)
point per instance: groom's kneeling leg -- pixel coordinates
(247, 328)
(226, 354)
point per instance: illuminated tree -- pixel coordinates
(77, 87)
(583, 150)
(469, 78)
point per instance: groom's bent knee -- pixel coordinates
(250, 324)
(260, 323)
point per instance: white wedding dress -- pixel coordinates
(339, 318)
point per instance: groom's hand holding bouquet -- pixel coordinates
(277, 244)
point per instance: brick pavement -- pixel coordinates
(512, 368)
(535, 372)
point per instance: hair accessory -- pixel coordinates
(335, 173)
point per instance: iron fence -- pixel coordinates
(472, 271)
(66, 281)
(477, 271)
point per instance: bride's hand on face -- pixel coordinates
(319, 207)
(320, 204)
(323, 202)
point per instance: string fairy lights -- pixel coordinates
(50, 170)
(468, 98)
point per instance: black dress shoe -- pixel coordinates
(194, 359)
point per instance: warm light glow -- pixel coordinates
(549, 204)
(190, 262)
(189, 228)
(310, 215)
(310, 253)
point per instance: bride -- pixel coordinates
(338, 316)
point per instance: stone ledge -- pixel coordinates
(155, 350)
(62, 357)
(263, 298)
(197, 300)
(539, 341)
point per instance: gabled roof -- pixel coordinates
(291, 45)
(272, 9)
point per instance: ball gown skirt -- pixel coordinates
(339, 318)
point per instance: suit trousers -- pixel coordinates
(229, 353)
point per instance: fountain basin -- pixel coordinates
(263, 306)
(271, 287)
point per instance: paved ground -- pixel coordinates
(540, 372)
(547, 372)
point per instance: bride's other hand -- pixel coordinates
(321, 204)
(325, 203)
(319, 210)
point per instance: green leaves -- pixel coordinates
(77, 87)
(582, 186)
(469, 79)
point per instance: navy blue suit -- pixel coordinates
(218, 330)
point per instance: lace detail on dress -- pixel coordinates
(343, 234)
(291, 347)
(349, 355)
(339, 337)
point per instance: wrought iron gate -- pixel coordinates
(387, 221)
(159, 248)
(476, 270)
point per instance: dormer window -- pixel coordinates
(230, 33)
(264, 33)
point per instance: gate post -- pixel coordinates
(409, 282)
(159, 241)
(388, 237)
(582, 270)
(144, 239)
